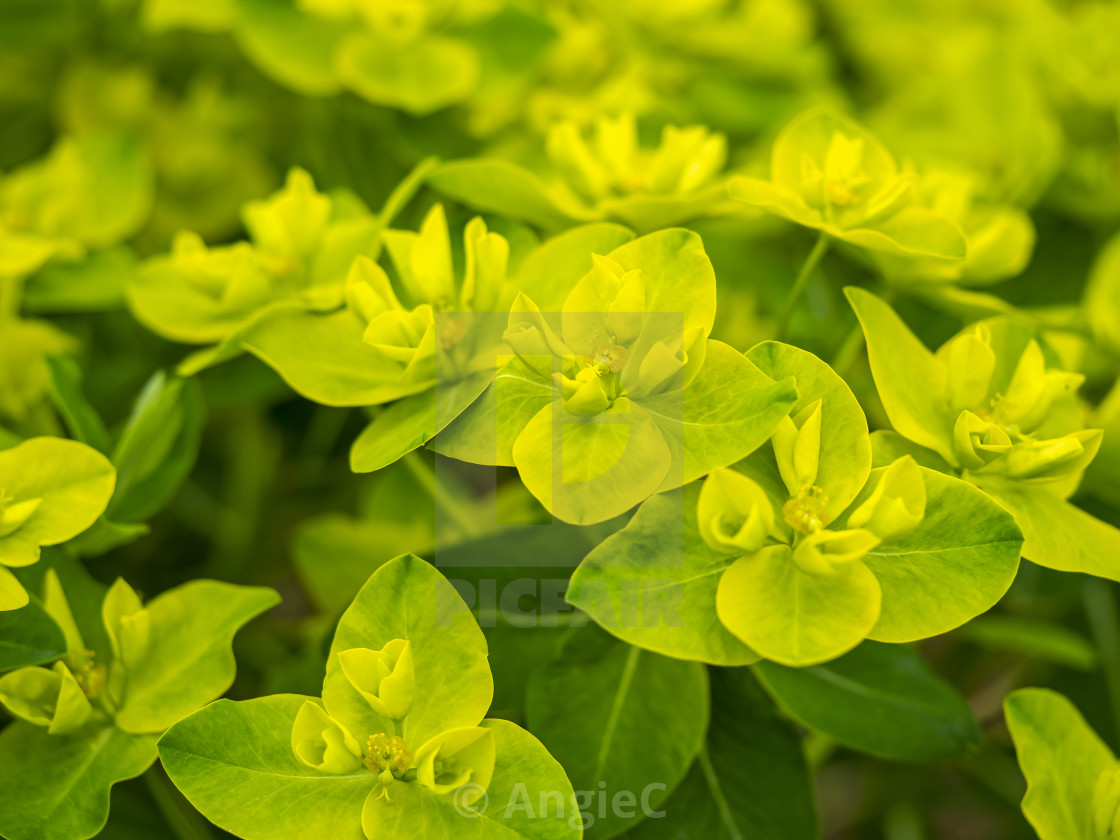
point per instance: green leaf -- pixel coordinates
(235, 764)
(418, 77)
(486, 431)
(499, 186)
(725, 413)
(189, 660)
(73, 482)
(56, 787)
(909, 378)
(956, 564)
(335, 554)
(66, 395)
(296, 49)
(1039, 640)
(324, 358)
(750, 780)
(409, 599)
(158, 446)
(1062, 759)
(878, 699)
(1057, 534)
(94, 284)
(411, 422)
(653, 584)
(29, 636)
(791, 616)
(612, 713)
(551, 271)
(590, 469)
(845, 447)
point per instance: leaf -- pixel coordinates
(845, 447)
(908, 377)
(590, 469)
(409, 599)
(879, 699)
(1038, 640)
(790, 616)
(551, 271)
(653, 584)
(56, 787)
(93, 284)
(418, 77)
(74, 482)
(158, 447)
(334, 554)
(750, 780)
(611, 713)
(1057, 534)
(296, 49)
(324, 358)
(486, 431)
(502, 187)
(955, 565)
(189, 660)
(29, 636)
(235, 764)
(411, 422)
(66, 395)
(725, 413)
(1062, 759)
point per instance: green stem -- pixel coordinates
(406, 189)
(444, 499)
(849, 351)
(1100, 608)
(801, 283)
(186, 825)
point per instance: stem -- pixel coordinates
(442, 497)
(801, 283)
(849, 351)
(186, 825)
(406, 189)
(1100, 608)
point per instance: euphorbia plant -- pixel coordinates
(396, 748)
(801, 550)
(994, 406)
(621, 394)
(92, 718)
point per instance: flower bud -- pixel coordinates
(585, 395)
(977, 442)
(820, 552)
(970, 362)
(1043, 459)
(487, 259)
(687, 159)
(671, 365)
(453, 758)
(423, 260)
(529, 336)
(50, 698)
(1033, 391)
(896, 505)
(385, 677)
(797, 448)
(127, 624)
(322, 743)
(733, 513)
